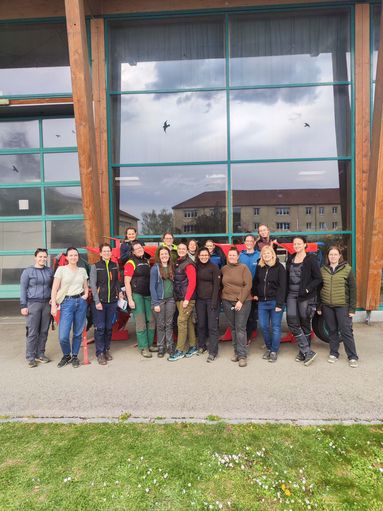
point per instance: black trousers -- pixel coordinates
(340, 327)
(207, 321)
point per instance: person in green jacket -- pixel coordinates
(337, 303)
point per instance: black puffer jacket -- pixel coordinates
(311, 277)
(270, 283)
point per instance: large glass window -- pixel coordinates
(34, 59)
(19, 134)
(19, 168)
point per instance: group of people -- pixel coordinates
(178, 299)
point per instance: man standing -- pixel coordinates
(105, 290)
(35, 293)
(250, 257)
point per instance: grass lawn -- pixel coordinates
(190, 467)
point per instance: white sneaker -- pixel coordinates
(332, 359)
(353, 362)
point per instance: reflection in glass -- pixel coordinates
(292, 196)
(290, 123)
(65, 233)
(278, 48)
(34, 59)
(19, 168)
(61, 167)
(59, 132)
(21, 235)
(20, 201)
(376, 10)
(162, 198)
(154, 55)
(63, 200)
(19, 134)
(11, 268)
(195, 128)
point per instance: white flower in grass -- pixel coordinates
(147, 490)
(165, 475)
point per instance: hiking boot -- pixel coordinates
(153, 349)
(210, 358)
(266, 355)
(108, 356)
(353, 362)
(177, 355)
(101, 359)
(273, 356)
(64, 361)
(75, 362)
(191, 351)
(300, 357)
(201, 351)
(32, 363)
(234, 358)
(309, 359)
(146, 353)
(161, 353)
(242, 362)
(43, 359)
(332, 359)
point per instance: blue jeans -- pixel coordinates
(270, 323)
(103, 322)
(72, 312)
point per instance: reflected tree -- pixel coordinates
(157, 223)
(215, 222)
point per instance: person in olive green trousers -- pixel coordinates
(337, 303)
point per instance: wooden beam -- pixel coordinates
(83, 110)
(362, 134)
(99, 98)
(373, 256)
(40, 101)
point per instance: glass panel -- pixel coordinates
(169, 127)
(139, 198)
(20, 201)
(19, 168)
(63, 200)
(375, 37)
(59, 132)
(299, 196)
(290, 123)
(167, 54)
(34, 59)
(278, 48)
(11, 268)
(19, 135)
(21, 235)
(65, 233)
(61, 167)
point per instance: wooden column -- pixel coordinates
(99, 98)
(373, 232)
(362, 134)
(83, 109)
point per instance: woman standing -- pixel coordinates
(164, 306)
(269, 289)
(106, 290)
(303, 279)
(35, 292)
(217, 255)
(236, 302)
(126, 250)
(70, 290)
(264, 238)
(192, 249)
(338, 302)
(184, 293)
(207, 304)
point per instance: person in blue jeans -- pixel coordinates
(70, 290)
(250, 257)
(269, 289)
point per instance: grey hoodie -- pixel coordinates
(35, 285)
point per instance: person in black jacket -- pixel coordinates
(207, 304)
(106, 290)
(303, 279)
(126, 248)
(269, 289)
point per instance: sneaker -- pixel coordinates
(43, 359)
(146, 353)
(64, 361)
(332, 359)
(300, 357)
(153, 349)
(161, 353)
(101, 359)
(273, 356)
(234, 358)
(75, 361)
(266, 355)
(242, 362)
(309, 359)
(32, 363)
(201, 351)
(108, 356)
(177, 355)
(210, 358)
(353, 362)
(191, 351)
